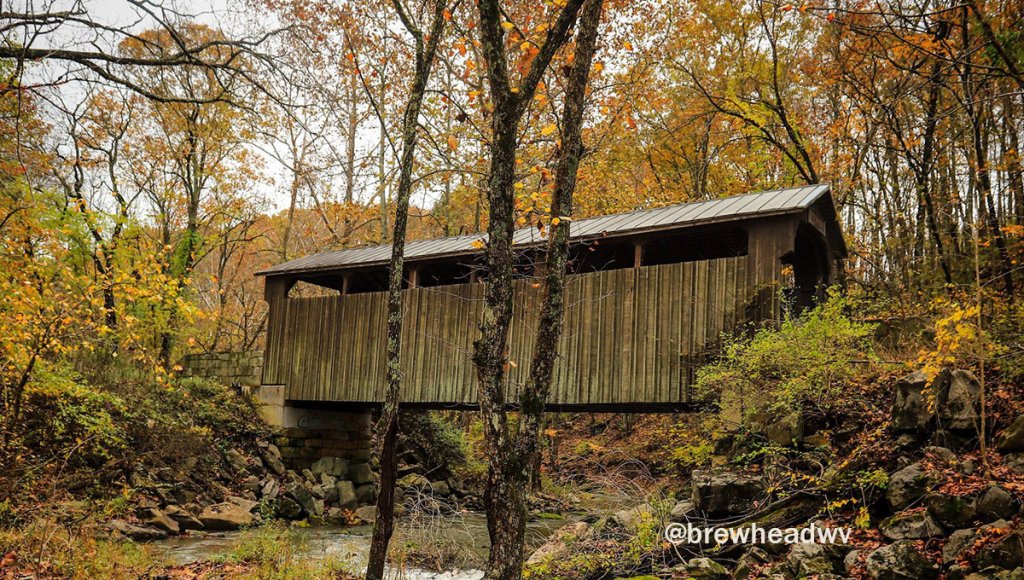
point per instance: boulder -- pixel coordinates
(1012, 438)
(909, 485)
(852, 561)
(288, 508)
(901, 560)
(1015, 461)
(440, 488)
(751, 560)
(225, 516)
(236, 460)
(360, 473)
(632, 518)
(271, 457)
(366, 493)
(158, 519)
(302, 496)
(186, 519)
(137, 533)
(1006, 552)
(996, 504)
(809, 559)
(958, 541)
(413, 480)
(334, 516)
(367, 514)
(683, 511)
(958, 402)
(559, 543)
(328, 492)
(702, 569)
(270, 489)
(913, 526)
(725, 492)
(941, 453)
(951, 511)
(346, 494)
(910, 409)
(332, 466)
(244, 503)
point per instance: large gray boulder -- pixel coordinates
(412, 481)
(912, 526)
(809, 560)
(952, 511)
(702, 569)
(725, 492)
(226, 516)
(1012, 438)
(958, 402)
(910, 409)
(1006, 552)
(333, 466)
(958, 542)
(271, 457)
(900, 561)
(347, 497)
(632, 518)
(186, 519)
(909, 485)
(302, 496)
(160, 520)
(360, 473)
(137, 533)
(996, 504)
(236, 460)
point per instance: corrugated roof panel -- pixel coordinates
(722, 208)
(739, 206)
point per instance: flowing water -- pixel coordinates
(351, 544)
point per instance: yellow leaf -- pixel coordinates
(477, 244)
(555, 221)
(453, 142)
(507, 25)
(548, 129)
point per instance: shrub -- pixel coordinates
(801, 366)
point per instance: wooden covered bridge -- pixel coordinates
(650, 294)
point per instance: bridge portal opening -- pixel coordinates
(805, 271)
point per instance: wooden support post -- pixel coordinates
(414, 275)
(345, 281)
(638, 254)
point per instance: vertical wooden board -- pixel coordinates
(686, 326)
(422, 362)
(640, 326)
(666, 340)
(675, 327)
(651, 338)
(625, 375)
(597, 360)
(445, 321)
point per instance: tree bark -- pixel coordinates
(387, 425)
(511, 453)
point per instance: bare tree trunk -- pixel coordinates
(387, 425)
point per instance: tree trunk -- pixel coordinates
(387, 425)
(511, 453)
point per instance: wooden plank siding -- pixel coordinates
(630, 337)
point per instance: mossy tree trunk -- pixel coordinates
(387, 424)
(511, 453)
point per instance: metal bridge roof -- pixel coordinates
(764, 203)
